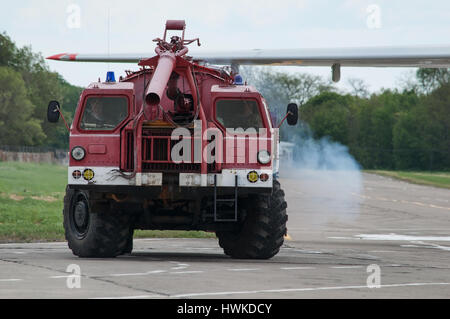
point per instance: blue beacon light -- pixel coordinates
(238, 80)
(110, 77)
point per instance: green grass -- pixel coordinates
(31, 203)
(436, 179)
(31, 198)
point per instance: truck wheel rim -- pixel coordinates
(79, 218)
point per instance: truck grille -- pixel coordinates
(156, 148)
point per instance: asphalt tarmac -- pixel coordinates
(349, 236)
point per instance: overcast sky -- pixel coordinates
(52, 26)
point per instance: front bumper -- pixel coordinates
(111, 176)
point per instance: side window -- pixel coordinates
(104, 113)
(239, 114)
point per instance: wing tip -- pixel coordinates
(63, 57)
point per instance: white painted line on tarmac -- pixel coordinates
(179, 266)
(186, 272)
(115, 275)
(134, 274)
(395, 237)
(419, 203)
(383, 251)
(22, 245)
(243, 269)
(446, 248)
(130, 297)
(243, 292)
(393, 265)
(384, 199)
(10, 280)
(303, 251)
(420, 244)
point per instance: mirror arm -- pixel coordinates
(62, 116)
(284, 119)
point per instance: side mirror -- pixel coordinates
(53, 111)
(292, 114)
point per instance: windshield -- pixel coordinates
(104, 113)
(239, 114)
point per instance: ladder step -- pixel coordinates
(230, 215)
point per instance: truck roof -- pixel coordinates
(233, 89)
(111, 86)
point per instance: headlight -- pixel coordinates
(264, 157)
(78, 153)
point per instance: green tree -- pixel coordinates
(41, 86)
(376, 118)
(438, 108)
(410, 135)
(17, 125)
(280, 88)
(7, 51)
(329, 114)
(431, 79)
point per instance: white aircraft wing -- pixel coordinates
(429, 57)
(423, 57)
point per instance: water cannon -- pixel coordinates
(168, 55)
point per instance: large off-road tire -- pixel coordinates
(129, 246)
(93, 231)
(263, 230)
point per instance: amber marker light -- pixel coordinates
(88, 174)
(252, 177)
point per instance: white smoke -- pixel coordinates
(323, 179)
(323, 182)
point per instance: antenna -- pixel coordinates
(109, 35)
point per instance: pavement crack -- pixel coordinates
(23, 263)
(163, 294)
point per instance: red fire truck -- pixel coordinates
(176, 145)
